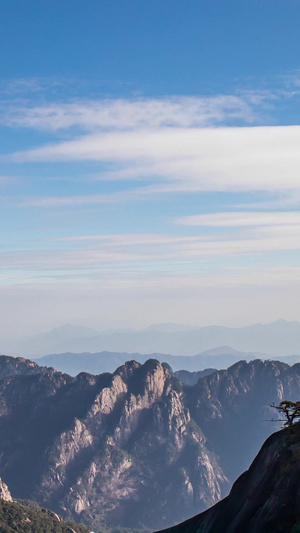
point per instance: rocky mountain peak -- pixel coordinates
(14, 366)
(4, 492)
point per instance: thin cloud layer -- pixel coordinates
(242, 218)
(206, 159)
(91, 115)
(147, 252)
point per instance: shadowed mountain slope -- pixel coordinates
(265, 499)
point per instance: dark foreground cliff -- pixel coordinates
(265, 499)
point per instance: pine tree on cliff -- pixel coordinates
(291, 411)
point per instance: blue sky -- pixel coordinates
(149, 163)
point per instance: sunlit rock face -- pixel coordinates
(4, 492)
(117, 448)
(136, 447)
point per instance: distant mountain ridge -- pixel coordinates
(96, 363)
(279, 338)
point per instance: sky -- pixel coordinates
(150, 163)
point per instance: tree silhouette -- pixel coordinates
(291, 411)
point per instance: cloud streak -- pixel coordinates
(241, 219)
(176, 111)
(191, 159)
(149, 252)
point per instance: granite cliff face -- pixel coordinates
(4, 492)
(13, 366)
(117, 448)
(233, 408)
(265, 499)
(135, 447)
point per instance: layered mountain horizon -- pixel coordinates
(279, 338)
(96, 363)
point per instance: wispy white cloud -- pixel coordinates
(126, 239)
(89, 253)
(227, 278)
(91, 115)
(19, 87)
(81, 200)
(18, 92)
(242, 218)
(291, 80)
(69, 201)
(203, 159)
(143, 281)
(286, 199)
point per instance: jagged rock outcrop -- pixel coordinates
(4, 492)
(112, 448)
(13, 366)
(136, 447)
(265, 499)
(191, 378)
(233, 409)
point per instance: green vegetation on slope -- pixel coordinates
(16, 518)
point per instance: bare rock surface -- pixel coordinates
(4, 492)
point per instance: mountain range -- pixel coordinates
(96, 363)
(279, 338)
(137, 447)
